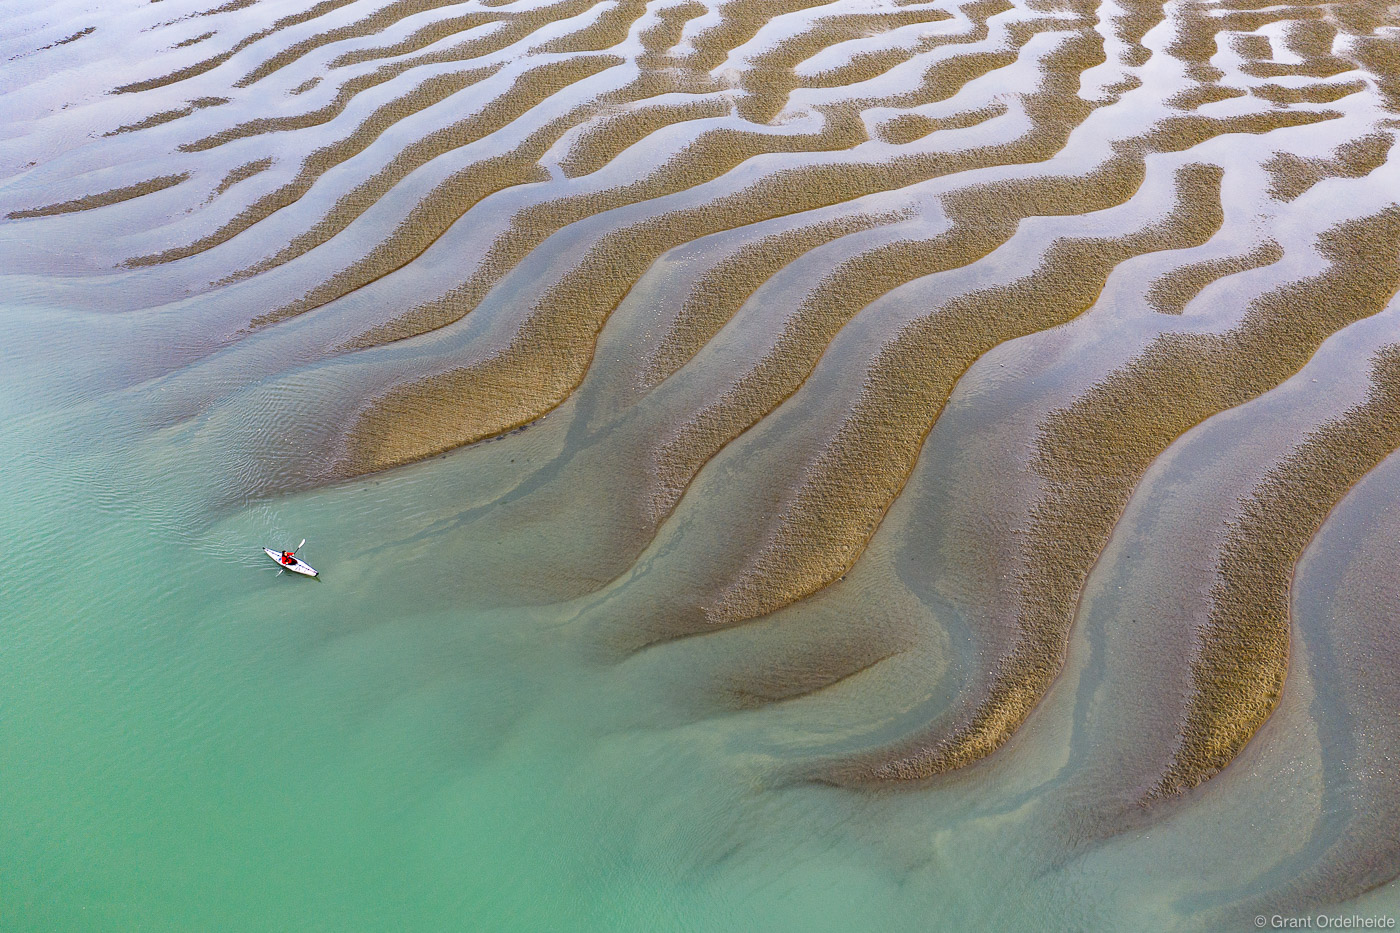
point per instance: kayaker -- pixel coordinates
(288, 561)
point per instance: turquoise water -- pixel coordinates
(193, 742)
(504, 706)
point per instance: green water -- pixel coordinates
(192, 742)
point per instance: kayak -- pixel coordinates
(301, 566)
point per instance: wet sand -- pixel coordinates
(852, 333)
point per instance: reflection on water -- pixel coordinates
(771, 462)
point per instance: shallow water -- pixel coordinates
(195, 742)
(773, 464)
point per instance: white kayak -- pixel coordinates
(299, 566)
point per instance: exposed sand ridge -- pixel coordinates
(855, 344)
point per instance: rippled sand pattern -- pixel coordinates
(867, 322)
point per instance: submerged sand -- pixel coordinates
(749, 253)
